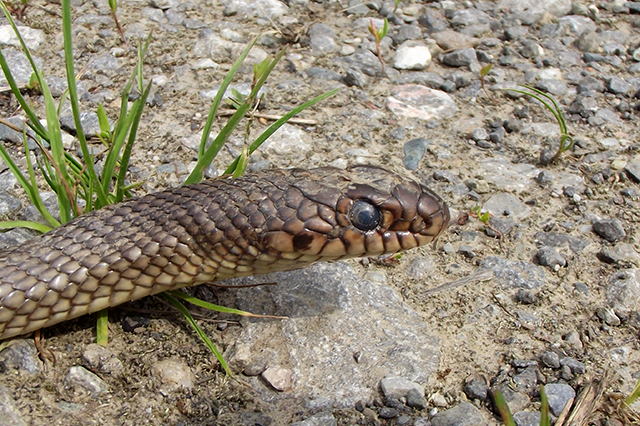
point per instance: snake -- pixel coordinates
(267, 221)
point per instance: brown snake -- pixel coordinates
(268, 221)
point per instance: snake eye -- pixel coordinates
(364, 216)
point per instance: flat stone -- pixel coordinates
(476, 387)
(516, 401)
(508, 176)
(19, 66)
(549, 256)
(453, 40)
(550, 359)
(88, 121)
(332, 315)
(633, 171)
(574, 365)
(416, 101)
(464, 414)
(460, 57)
(527, 418)
(416, 399)
(9, 206)
(322, 40)
(609, 229)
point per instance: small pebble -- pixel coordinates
(609, 229)
(559, 397)
(550, 359)
(416, 400)
(281, 379)
(549, 256)
(388, 413)
(476, 387)
(574, 365)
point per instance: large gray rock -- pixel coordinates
(342, 335)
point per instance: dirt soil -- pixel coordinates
(477, 324)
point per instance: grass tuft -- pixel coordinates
(73, 180)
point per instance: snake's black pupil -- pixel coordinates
(364, 216)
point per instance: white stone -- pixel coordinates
(412, 57)
(550, 73)
(280, 378)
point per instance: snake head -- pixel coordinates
(360, 211)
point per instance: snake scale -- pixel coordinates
(268, 221)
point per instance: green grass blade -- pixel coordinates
(102, 327)
(75, 106)
(211, 152)
(35, 194)
(126, 155)
(555, 110)
(219, 95)
(124, 105)
(36, 226)
(276, 125)
(179, 306)
(263, 76)
(119, 136)
(633, 396)
(503, 409)
(544, 408)
(213, 307)
(243, 161)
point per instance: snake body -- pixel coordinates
(268, 221)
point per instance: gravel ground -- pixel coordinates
(546, 294)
